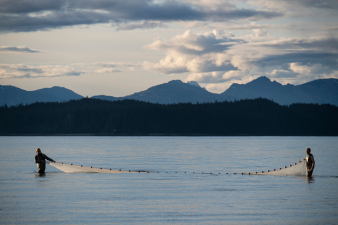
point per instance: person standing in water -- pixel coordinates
(310, 162)
(40, 160)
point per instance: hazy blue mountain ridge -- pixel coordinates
(261, 87)
(323, 90)
(318, 91)
(174, 91)
(12, 96)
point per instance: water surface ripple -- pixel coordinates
(179, 188)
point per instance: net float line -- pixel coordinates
(71, 168)
(295, 169)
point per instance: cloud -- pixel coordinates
(293, 60)
(219, 58)
(317, 43)
(310, 51)
(142, 25)
(211, 77)
(105, 67)
(107, 70)
(111, 67)
(327, 4)
(8, 71)
(296, 4)
(33, 15)
(197, 44)
(117, 64)
(24, 6)
(310, 57)
(49, 20)
(12, 49)
(191, 52)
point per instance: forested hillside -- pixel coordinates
(130, 117)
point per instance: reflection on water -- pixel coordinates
(40, 175)
(310, 180)
(182, 192)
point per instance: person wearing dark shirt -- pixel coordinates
(310, 163)
(40, 160)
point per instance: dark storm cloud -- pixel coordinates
(209, 66)
(306, 52)
(304, 58)
(33, 15)
(327, 43)
(144, 25)
(198, 44)
(24, 22)
(28, 70)
(29, 6)
(220, 15)
(326, 4)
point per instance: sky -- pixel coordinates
(119, 47)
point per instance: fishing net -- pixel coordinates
(296, 169)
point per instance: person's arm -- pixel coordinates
(46, 157)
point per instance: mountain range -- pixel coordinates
(321, 91)
(12, 96)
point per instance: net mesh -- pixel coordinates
(297, 169)
(70, 168)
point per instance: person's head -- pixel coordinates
(308, 151)
(38, 151)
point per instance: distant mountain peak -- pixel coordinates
(193, 83)
(58, 87)
(262, 79)
(259, 80)
(175, 81)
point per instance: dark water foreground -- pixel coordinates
(183, 192)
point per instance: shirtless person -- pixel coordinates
(310, 163)
(40, 160)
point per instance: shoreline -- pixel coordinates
(167, 135)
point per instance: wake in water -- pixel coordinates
(297, 169)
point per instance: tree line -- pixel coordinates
(130, 117)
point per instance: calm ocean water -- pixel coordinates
(180, 193)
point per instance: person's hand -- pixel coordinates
(53, 162)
